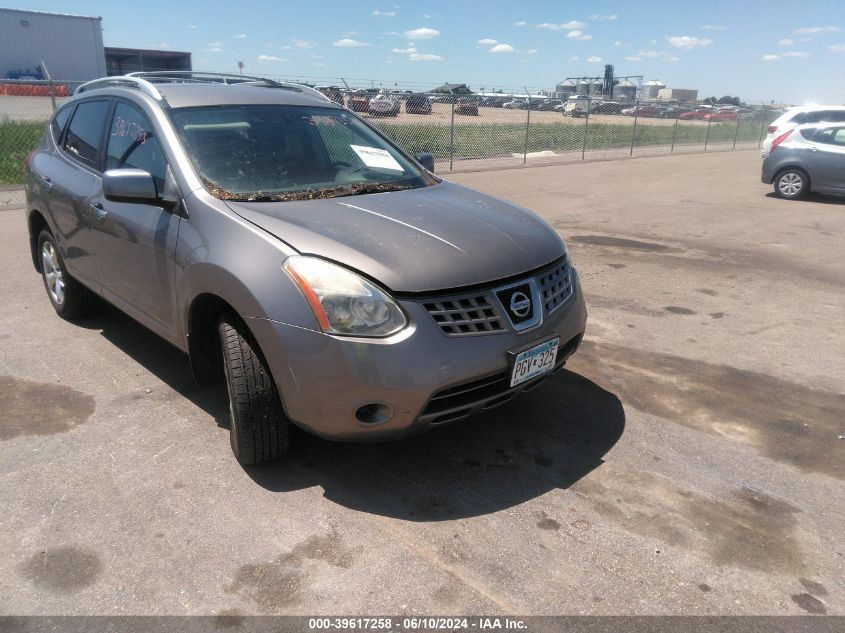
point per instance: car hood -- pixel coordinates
(418, 240)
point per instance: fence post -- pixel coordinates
(527, 123)
(675, 130)
(452, 136)
(736, 132)
(763, 119)
(586, 125)
(709, 122)
(52, 86)
(634, 131)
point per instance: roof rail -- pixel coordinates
(124, 80)
(198, 76)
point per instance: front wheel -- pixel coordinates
(70, 298)
(259, 430)
(792, 184)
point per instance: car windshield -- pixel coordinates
(278, 153)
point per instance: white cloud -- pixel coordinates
(594, 60)
(423, 33)
(349, 43)
(714, 27)
(349, 34)
(214, 47)
(686, 42)
(671, 58)
(770, 58)
(836, 48)
(530, 51)
(164, 45)
(403, 51)
(811, 30)
(633, 58)
(650, 54)
(786, 42)
(566, 26)
(502, 48)
(487, 41)
(603, 18)
(427, 57)
(239, 36)
(579, 35)
(520, 23)
(619, 43)
(193, 27)
(271, 58)
(317, 64)
(574, 59)
(795, 54)
(384, 14)
(303, 44)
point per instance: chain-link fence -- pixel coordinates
(467, 131)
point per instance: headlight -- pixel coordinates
(343, 302)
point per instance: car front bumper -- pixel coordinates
(422, 377)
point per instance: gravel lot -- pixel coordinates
(690, 461)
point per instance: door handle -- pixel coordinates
(48, 184)
(99, 212)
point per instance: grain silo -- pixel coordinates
(652, 88)
(625, 90)
(595, 86)
(565, 88)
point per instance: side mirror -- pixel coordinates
(426, 160)
(130, 185)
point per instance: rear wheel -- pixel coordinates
(70, 298)
(259, 430)
(792, 184)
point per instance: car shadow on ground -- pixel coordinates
(543, 440)
(813, 197)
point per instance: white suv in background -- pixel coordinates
(798, 115)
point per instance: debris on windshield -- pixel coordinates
(306, 194)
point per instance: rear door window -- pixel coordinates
(85, 133)
(132, 143)
(830, 136)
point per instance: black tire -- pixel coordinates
(259, 430)
(70, 299)
(792, 183)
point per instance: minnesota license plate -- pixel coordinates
(535, 361)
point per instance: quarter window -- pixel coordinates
(132, 144)
(59, 122)
(830, 136)
(85, 133)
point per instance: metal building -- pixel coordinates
(71, 46)
(120, 61)
(684, 95)
(652, 88)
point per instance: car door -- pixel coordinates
(827, 159)
(70, 178)
(135, 243)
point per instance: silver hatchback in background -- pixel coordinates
(807, 158)
(297, 255)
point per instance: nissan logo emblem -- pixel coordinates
(520, 304)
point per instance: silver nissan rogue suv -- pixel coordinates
(298, 255)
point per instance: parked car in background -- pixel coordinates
(332, 92)
(577, 106)
(335, 284)
(515, 104)
(798, 116)
(417, 104)
(606, 107)
(648, 110)
(547, 105)
(720, 115)
(360, 101)
(698, 114)
(805, 158)
(384, 104)
(466, 105)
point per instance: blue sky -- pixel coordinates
(761, 51)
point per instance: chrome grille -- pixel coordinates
(556, 286)
(466, 315)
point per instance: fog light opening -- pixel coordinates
(373, 413)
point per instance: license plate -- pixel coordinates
(535, 361)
